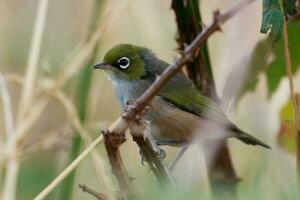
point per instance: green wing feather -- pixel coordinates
(181, 92)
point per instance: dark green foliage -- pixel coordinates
(276, 70)
(35, 174)
(289, 7)
(189, 21)
(272, 20)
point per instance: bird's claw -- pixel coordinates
(143, 158)
(161, 154)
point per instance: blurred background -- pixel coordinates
(50, 97)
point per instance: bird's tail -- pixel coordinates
(248, 139)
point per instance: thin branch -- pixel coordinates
(296, 107)
(92, 192)
(35, 47)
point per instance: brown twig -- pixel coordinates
(92, 192)
(112, 142)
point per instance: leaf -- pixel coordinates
(272, 20)
(276, 69)
(286, 137)
(287, 112)
(267, 59)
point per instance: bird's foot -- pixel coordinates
(115, 139)
(161, 154)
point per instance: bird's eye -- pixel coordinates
(124, 62)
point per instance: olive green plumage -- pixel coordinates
(179, 111)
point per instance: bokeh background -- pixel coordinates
(265, 174)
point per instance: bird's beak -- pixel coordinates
(102, 66)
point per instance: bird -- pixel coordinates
(179, 113)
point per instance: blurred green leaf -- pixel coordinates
(270, 60)
(287, 112)
(286, 136)
(272, 20)
(35, 174)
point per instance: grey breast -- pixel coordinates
(126, 90)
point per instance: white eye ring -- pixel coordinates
(124, 62)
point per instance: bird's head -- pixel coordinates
(124, 61)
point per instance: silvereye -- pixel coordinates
(179, 113)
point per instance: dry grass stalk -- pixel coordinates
(116, 125)
(97, 160)
(10, 180)
(34, 55)
(74, 119)
(27, 94)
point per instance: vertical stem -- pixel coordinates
(288, 65)
(298, 138)
(12, 168)
(81, 96)
(189, 22)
